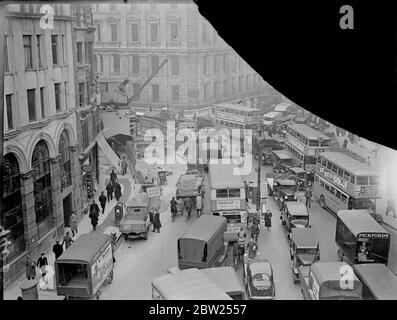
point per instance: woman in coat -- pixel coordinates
(268, 219)
(117, 191)
(30, 268)
(73, 224)
(156, 222)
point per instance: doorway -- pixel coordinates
(67, 209)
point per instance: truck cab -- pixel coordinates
(135, 222)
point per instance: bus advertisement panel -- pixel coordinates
(227, 198)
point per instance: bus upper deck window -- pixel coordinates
(362, 181)
(373, 180)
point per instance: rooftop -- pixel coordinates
(347, 163)
(236, 107)
(359, 221)
(308, 132)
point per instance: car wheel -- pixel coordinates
(322, 202)
(125, 236)
(340, 255)
(145, 236)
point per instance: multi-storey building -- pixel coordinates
(88, 119)
(132, 40)
(48, 123)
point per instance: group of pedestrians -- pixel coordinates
(183, 205)
(113, 187)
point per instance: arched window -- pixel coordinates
(42, 188)
(12, 209)
(64, 162)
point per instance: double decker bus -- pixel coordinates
(344, 183)
(227, 197)
(305, 144)
(238, 117)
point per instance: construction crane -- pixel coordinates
(121, 88)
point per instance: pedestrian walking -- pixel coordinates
(124, 166)
(102, 201)
(174, 207)
(30, 268)
(73, 224)
(57, 249)
(268, 219)
(156, 222)
(181, 204)
(113, 177)
(188, 205)
(117, 191)
(254, 230)
(67, 240)
(109, 191)
(42, 263)
(199, 205)
(94, 214)
(308, 195)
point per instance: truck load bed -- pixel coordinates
(188, 185)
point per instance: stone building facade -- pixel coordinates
(41, 158)
(132, 40)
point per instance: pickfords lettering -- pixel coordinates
(374, 235)
(166, 310)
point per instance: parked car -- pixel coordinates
(135, 223)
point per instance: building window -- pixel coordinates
(39, 58)
(103, 86)
(79, 52)
(155, 93)
(64, 50)
(42, 103)
(225, 63)
(154, 32)
(133, 6)
(134, 32)
(217, 89)
(135, 64)
(27, 48)
(116, 63)
(98, 32)
(54, 45)
(112, 7)
(81, 94)
(10, 120)
(66, 95)
(241, 84)
(153, 6)
(12, 216)
(42, 188)
(175, 93)
(136, 87)
(174, 32)
(65, 167)
(99, 61)
(31, 104)
(207, 92)
(205, 38)
(174, 65)
(205, 65)
(173, 6)
(57, 89)
(113, 32)
(6, 61)
(155, 63)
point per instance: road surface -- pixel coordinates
(138, 262)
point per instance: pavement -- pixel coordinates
(84, 226)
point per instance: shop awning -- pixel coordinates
(108, 151)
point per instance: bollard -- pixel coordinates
(29, 290)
